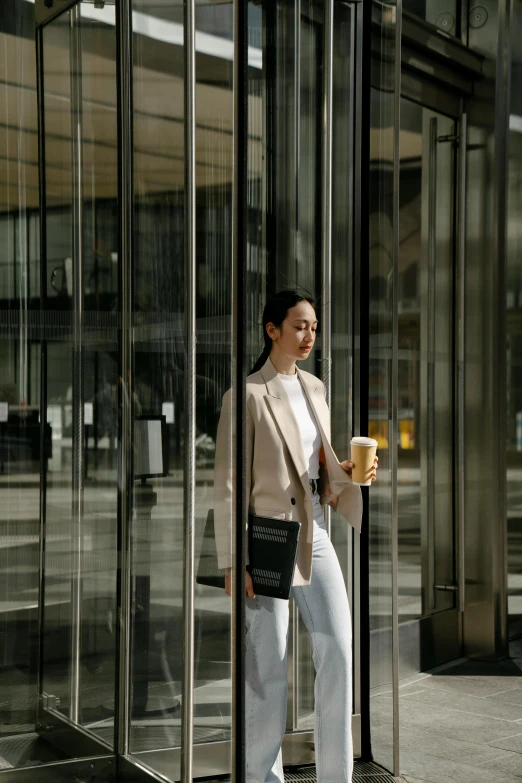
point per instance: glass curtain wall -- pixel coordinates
(382, 341)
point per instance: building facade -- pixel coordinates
(165, 166)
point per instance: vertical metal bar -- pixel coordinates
(296, 683)
(297, 128)
(395, 385)
(43, 359)
(239, 369)
(294, 691)
(189, 477)
(356, 71)
(357, 74)
(326, 198)
(499, 265)
(75, 53)
(431, 325)
(461, 358)
(293, 706)
(463, 21)
(126, 468)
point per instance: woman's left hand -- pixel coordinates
(347, 465)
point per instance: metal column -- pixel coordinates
(189, 474)
(293, 646)
(43, 361)
(461, 358)
(125, 192)
(356, 69)
(393, 435)
(297, 130)
(75, 53)
(431, 330)
(326, 199)
(239, 255)
(499, 564)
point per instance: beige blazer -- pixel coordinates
(277, 477)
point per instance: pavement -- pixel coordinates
(459, 723)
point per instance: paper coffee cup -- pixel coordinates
(363, 451)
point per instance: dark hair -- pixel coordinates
(275, 311)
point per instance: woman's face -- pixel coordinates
(296, 337)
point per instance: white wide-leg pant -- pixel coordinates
(325, 610)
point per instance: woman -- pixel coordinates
(291, 471)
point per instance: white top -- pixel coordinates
(305, 416)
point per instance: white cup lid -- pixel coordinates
(364, 442)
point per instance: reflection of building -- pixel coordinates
(412, 244)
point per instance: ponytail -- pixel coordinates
(275, 311)
(265, 353)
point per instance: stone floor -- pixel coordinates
(458, 724)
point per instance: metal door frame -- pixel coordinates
(445, 628)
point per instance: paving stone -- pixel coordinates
(436, 743)
(512, 696)
(473, 704)
(423, 766)
(508, 762)
(473, 686)
(513, 743)
(460, 725)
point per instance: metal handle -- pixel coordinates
(460, 382)
(432, 252)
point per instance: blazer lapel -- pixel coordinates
(279, 404)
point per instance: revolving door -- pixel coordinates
(128, 444)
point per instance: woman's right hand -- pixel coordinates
(248, 582)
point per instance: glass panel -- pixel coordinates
(444, 16)
(342, 403)
(285, 236)
(159, 359)
(20, 443)
(425, 447)
(307, 201)
(214, 151)
(381, 339)
(78, 669)
(158, 356)
(285, 230)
